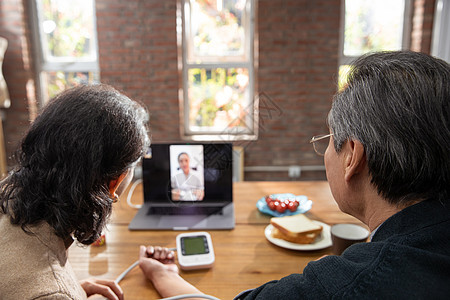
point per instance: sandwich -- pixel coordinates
(295, 229)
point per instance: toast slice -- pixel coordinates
(295, 229)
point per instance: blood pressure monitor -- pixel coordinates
(195, 250)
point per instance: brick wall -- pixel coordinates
(298, 42)
(138, 55)
(422, 25)
(18, 72)
(298, 61)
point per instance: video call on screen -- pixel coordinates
(188, 173)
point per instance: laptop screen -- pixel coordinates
(188, 173)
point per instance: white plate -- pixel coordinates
(321, 242)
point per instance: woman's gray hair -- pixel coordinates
(397, 105)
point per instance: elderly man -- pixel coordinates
(388, 164)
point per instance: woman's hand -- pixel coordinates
(107, 288)
(156, 260)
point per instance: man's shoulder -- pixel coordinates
(383, 269)
(363, 268)
(417, 220)
(320, 279)
(337, 272)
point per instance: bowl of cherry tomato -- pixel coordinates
(278, 205)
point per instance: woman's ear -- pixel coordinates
(115, 183)
(355, 160)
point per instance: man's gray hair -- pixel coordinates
(397, 105)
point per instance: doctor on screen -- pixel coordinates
(186, 186)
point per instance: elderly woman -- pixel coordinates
(75, 160)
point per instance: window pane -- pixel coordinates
(58, 81)
(67, 29)
(218, 98)
(217, 28)
(373, 26)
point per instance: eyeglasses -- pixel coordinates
(320, 143)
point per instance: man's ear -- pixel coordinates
(355, 160)
(115, 183)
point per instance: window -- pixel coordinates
(66, 41)
(215, 39)
(370, 26)
(441, 31)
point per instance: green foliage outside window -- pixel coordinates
(217, 27)
(67, 32)
(68, 28)
(217, 97)
(58, 81)
(373, 26)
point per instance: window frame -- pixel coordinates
(184, 65)
(66, 64)
(440, 46)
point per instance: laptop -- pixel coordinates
(186, 187)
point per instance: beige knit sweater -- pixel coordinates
(35, 266)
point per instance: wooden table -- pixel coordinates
(244, 257)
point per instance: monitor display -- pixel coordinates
(188, 173)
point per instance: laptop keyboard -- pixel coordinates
(185, 210)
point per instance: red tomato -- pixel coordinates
(268, 199)
(296, 203)
(271, 205)
(292, 207)
(281, 208)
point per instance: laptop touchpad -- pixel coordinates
(181, 221)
